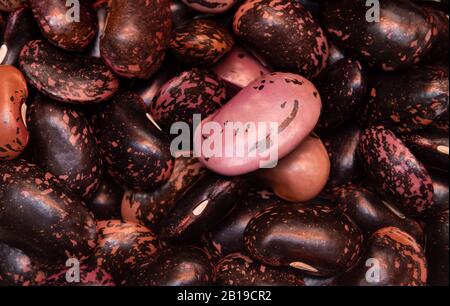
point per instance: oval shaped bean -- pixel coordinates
(201, 42)
(210, 200)
(66, 77)
(294, 43)
(240, 270)
(397, 36)
(136, 153)
(407, 101)
(342, 147)
(20, 29)
(393, 258)
(371, 213)
(41, 217)
(342, 87)
(13, 94)
(193, 92)
(63, 143)
(314, 239)
(301, 175)
(123, 247)
(396, 172)
(177, 266)
(69, 26)
(136, 36)
(18, 269)
(270, 118)
(228, 236)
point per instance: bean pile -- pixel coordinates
(348, 184)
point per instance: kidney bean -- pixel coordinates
(399, 38)
(296, 236)
(66, 77)
(136, 36)
(136, 153)
(13, 94)
(41, 217)
(68, 27)
(395, 170)
(294, 43)
(393, 258)
(63, 143)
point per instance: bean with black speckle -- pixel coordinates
(396, 171)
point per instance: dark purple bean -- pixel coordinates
(70, 27)
(136, 153)
(294, 43)
(180, 266)
(396, 172)
(192, 92)
(371, 213)
(393, 258)
(65, 77)
(20, 29)
(149, 209)
(136, 35)
(228, 236)
(342, 147)
(407, 101)
(208, 202)
(401, 37)
(342, 87)
(430, 147)
(39, 216)
(299, 236)
(240, 270)
(123, 247)
(63, 142)
(18, 269)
